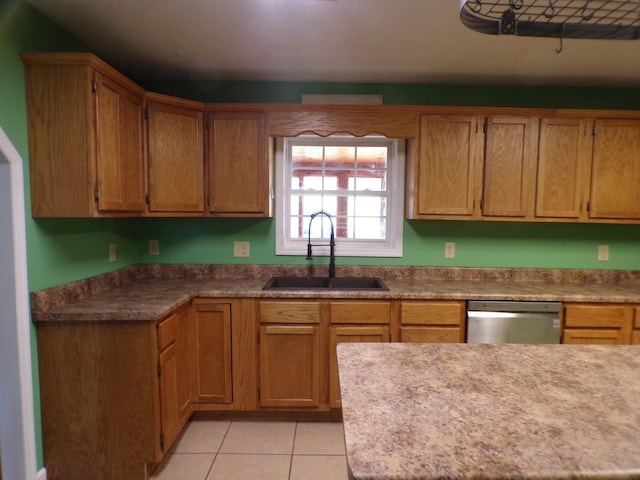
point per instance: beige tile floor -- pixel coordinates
(244, 450)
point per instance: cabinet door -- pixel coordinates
(564, 153)
(239, 171)
(509, 166)
(447, 165)
(120, 161)
(175, 158)
(290, 363)
(168, 396)
(432, 322)
(174, 375)
(213, 382)
(598, 324)
(377, 333)
(616, 170)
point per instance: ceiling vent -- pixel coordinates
(604, 19)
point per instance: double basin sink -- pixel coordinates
(325, 283)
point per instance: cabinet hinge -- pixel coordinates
(588, 206)
(482, 204)
(484, 126)
(146, 113)
(161, 442)
(94, 86)
(146, 199)
(96, 195)
(159, 369)
(593, 131)
(206, 122)
(259, 394)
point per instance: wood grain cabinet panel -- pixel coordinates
(597, 324)
(174, 374)
(239, 165)
(564, 154)
(291, 353)
(213, 350)
(447, 167)
(432, 321)
(616, 170)
(290, 363)
(175, 157)
(86, 138)
(509, 166)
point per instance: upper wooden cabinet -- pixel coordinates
(564, 153)
(85, 137)
(616, 170)
(176, 162)
(447, 166)
(509, 167)
(239, 165)
(469, 167)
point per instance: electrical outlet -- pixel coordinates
(449, 250)
(603, 253)
(154, 247)
(112, 252)
(241, 249)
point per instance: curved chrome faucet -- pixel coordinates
(332, 243)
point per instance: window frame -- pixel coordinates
(392, 246)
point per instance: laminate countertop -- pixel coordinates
(459, 411)
(148, 292)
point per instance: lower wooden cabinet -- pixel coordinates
(174, 375)
(290, 354)
(100, 399)
(212, 366)
(432, 321)
(598, 324)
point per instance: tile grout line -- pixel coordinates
(217, 452)
(293, 447)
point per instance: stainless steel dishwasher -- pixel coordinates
(513, 322)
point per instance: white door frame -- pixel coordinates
(17, 433)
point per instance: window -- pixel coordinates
(357, 180)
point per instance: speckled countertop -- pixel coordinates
(459, 411)
(150, 292)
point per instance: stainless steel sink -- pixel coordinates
(325, 283)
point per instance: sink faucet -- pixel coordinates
(332, 243)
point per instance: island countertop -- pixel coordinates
(454, 411)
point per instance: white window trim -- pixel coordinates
(391, 247)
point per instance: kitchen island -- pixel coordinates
(435, 411)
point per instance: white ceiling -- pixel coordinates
(416, 41)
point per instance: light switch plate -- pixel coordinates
(449, 250)
(241, 249)
(112, 252)
(603, 253)
(154, 247)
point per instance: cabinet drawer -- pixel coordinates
(167, 332)
(597, 316)
(432, 313)
(431, 335)
(360, 312)
(289, 312)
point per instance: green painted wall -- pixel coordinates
(64, 250)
